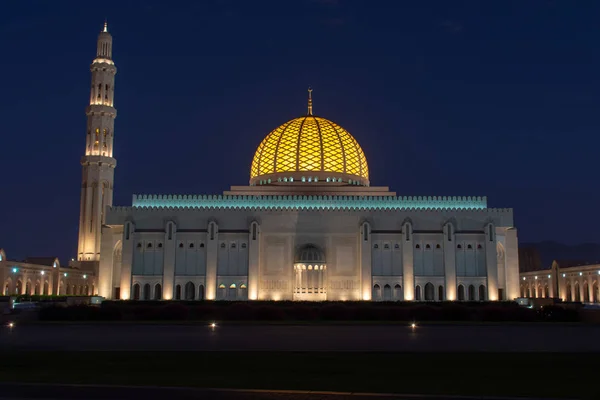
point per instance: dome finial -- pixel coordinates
(310, 101)
(105, 25)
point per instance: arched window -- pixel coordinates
(201, 245)
(136, 291)
(190, 291)
(376, 292)
(471, 293)
(461, 293)
(441, 296)
(244, 245)
(149, 245)
(243, 292)
(46, 288)
(232, 292)
(181, 245)
(191, 245)
(200, 292)
(437, 246)
(458, 246)
(36, 291)
(223, 245)
(387, 293)
(429, 291)
(146, 292)
(222, 292)
(469, 246)
(427, 246)
(178, 292)
(398, 295)
(418, 293)
(546, 292)
(577, 292)
(375, 246)
(418, 246)
(482, 293)
(158, 292)
(586, 293)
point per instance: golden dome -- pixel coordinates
(309, 149)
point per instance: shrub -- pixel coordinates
(335, 312)
(173, 312)
(269, 313)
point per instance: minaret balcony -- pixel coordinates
(101, 109)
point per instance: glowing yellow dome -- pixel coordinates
(309, 149)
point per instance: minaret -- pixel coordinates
(98, 162)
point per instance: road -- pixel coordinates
(454, 338)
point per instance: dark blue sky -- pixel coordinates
(446, 98)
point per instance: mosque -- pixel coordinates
(308, 226)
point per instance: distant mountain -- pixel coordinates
(533, 256)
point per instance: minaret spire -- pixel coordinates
(310, 101)
(98, 163)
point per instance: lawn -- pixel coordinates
(493, 374)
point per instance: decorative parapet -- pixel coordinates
(310, 202)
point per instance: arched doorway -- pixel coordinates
(546, 292)
(387, 293)
(158, 292)
(146, 292)
(461, 293)
(28, 288)
(376, 292)
(481, 293)
(441, 296)
(586, 292)
(190, 291)
(577, 292)
(232, 292)
(136, 291)
(429, 290)
(46, 288)
(36, 291)
(243, 292)
(177, 292)
(471, 293)
(310, 267)
(569, 292)
(418, 293)
(595, 292)
(398, 295)
(221, 292)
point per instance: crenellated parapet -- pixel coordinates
(300, 202)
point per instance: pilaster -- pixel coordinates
(408, 275)
(169, 260)
(450, 261)
(253, 260)
(365, 261)
(212, 248)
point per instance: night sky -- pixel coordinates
(445, 97)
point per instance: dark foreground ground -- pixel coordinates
(365, 338)
(72, 392)
(534, 361)
(475, 374)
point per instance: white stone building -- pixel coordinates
(567, 280)
(308, 227)
(44, 276)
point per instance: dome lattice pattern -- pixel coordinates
(308, 144)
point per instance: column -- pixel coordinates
(365, 261)
(512, 263)
(253, 260)
(106, 265)
(212, 249)
(169, 260)
(590, 288)
(491, 262)
(129, 237)
(408, 275)
(450, 262)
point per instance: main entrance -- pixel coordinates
(310, 270)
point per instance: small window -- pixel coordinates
(139, 245)
(221, 286)
(386, 246)
(232, 286)
(418, 246)
(149, 245)
(222, 245)
(233, 245)
(396, 246)
(375, 246)
(459, 246)
(427, 246)
(201, 245)
(160, 246)
(244, 245)
(479, 246)
(469, 246)
(191, 245)
(181, 245)
(437, 246)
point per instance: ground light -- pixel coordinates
(213, 325)
(413, 325)
(11, 325)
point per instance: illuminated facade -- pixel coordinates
(307, 227)
(98, 162)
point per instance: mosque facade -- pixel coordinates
(308, 226)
